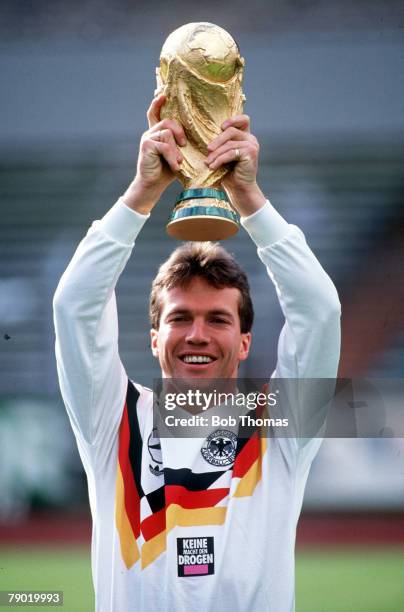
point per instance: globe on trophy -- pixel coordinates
(201, 73)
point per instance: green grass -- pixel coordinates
(66, 570)
(364, 580)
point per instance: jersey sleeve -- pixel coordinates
(309, 342)
(92, 378)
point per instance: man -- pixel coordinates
(172, 527)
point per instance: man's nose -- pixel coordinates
(197, 332)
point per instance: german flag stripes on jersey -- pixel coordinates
(178, 497)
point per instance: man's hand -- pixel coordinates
(236, 144)
(159, 159)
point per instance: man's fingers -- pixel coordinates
(242, 122)
(231, 133)
(170, 155)
(166, 135)
(153, 113)
(175, 127)
(163, 135)
(230, 145)
(231, 154)
(167, 150)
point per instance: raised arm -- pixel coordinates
(91, 376)
(309, 343)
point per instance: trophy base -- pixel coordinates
(201, 215)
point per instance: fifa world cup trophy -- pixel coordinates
(201, 74)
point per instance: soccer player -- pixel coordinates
(178, 524)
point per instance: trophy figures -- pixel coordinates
(200, 74)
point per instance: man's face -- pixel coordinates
(199, 334)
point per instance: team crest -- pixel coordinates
(154, 447)
(219, 448)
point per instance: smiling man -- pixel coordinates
(201, 313)
(180, 523)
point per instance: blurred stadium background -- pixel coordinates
(325, 88)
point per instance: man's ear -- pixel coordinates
(244, 346)
(154, 335)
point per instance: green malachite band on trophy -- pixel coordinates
(202, 192)
(204, 211)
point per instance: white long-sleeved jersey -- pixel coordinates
(172, 530)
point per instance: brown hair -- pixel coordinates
(207, 260)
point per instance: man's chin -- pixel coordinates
(196, 375)
(203, 383)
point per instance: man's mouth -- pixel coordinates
(197, 359)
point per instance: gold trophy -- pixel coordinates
(201, 74)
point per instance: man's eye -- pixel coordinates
(219, 320)
(177, 318)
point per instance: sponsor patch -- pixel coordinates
(195, 556)
(219, 448)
